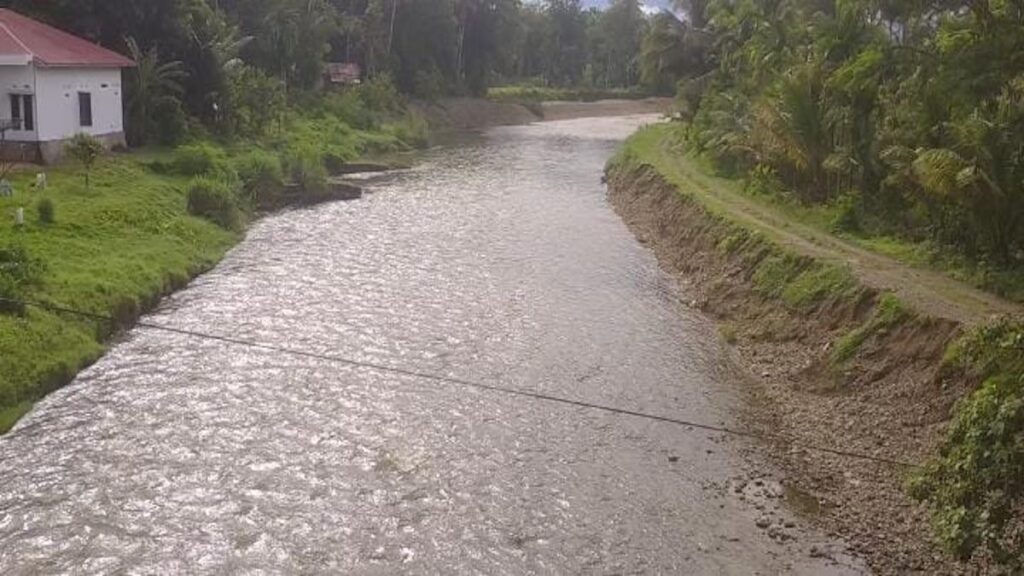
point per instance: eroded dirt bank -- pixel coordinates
(840, 369)
(477, 113)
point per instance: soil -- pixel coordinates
(891, 400)
(476, 113)
(571, 110)
(473, 114)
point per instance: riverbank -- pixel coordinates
(846, 348)
(148, 222)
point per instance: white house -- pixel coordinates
(54, 85)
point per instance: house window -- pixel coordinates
(85, 109)
(22, 112)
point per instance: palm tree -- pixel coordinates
(792, 130)
(151, 85)
(980, 173)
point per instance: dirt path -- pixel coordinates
(930, 293)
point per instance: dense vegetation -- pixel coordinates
(230, 66)
(911, 114)
(904, 122)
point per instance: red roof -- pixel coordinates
(47, 46)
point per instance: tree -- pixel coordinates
(85, 150)
(622, 27)
(150, 86)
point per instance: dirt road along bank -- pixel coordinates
(883, 392)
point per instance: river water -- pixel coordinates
(497, 260)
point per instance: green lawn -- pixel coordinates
(112, 247)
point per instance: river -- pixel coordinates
(497, 260)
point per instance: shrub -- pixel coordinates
(429, 84)
(975, 487)
(199, 160)
(350, 107)
(411, 131)
(307, 170)
(254, 104)
(846, 214)
(85, 150)
(46, 210)
(18, 271)
(216, 201)
(261, 175)
(381, 95)
(171, 125)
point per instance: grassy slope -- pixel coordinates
(114, 246)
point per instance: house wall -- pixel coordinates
(57, 114)
(57, 97)
(17, 80)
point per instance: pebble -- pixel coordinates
(777, 533)
(763, 522)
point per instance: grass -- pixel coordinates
(528, 93)
(116, 246)
(112, 247)
(889, 312)
(802, 284)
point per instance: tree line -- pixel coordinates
(908, 115)
(227, 65)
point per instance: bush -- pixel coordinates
(85, 150)
(381, 95)
(199, 160)
(171, 124)
(846, 214)
(350, 107)
(975, 487)
(411, 131)
(307, 170)
(216, 201)
(261, 175)
(18, 271)
(254, 104)
(429, 84)
(46, 210)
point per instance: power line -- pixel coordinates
(539, 396)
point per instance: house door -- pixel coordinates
(23, 112)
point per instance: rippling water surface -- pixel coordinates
(499, 261)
